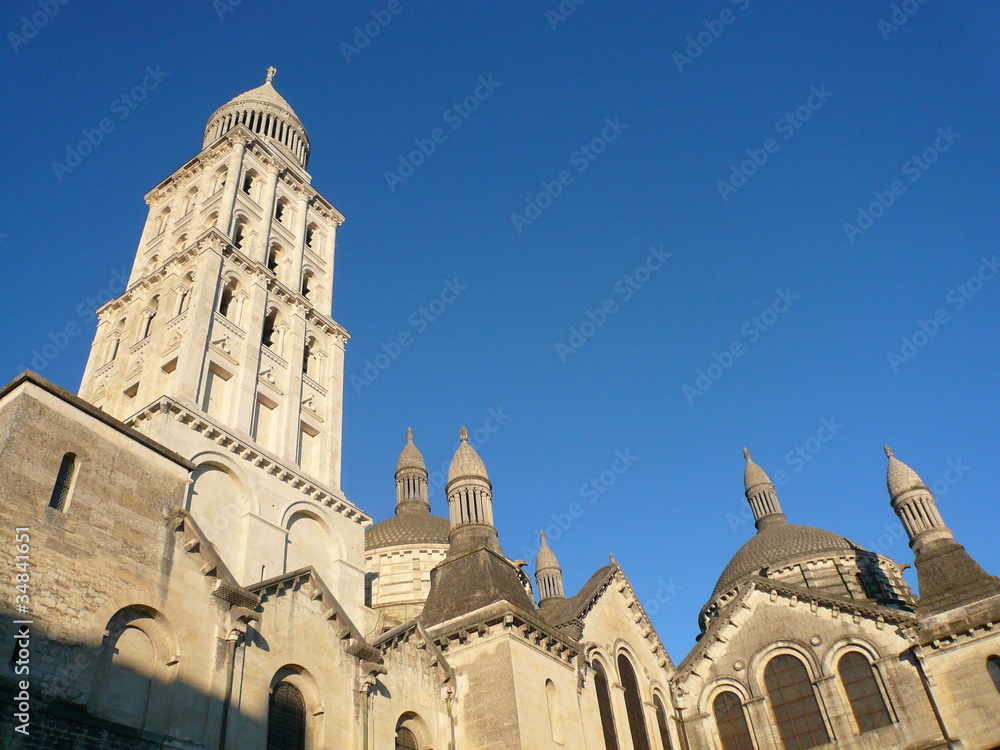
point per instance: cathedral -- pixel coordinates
(186, 571)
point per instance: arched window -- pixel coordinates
(267, 337)
(311, 235)
(64, 483)
(248, 181)
(661, 722)
(273, 258)
(793, 701)
(993, 667)
(862, 691)
(147, 325)
(633, 704)
(555, 715)
(731, 722)
(161, 222)
(280, 210)
(286, 719)
(239, 234)
(405, 739)
(604, 706)
(226, 298)
(307, 278)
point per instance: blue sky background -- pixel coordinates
(673, 519)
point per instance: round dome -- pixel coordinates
(900, 478)
(408, 527)
(466, 462)
(776, 544)
(410, 457)
(546, 558)
(266, 113)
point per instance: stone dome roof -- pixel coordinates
(899, 477)
(753, 474)
(266, 113)
(773, 545)
(408, 527)
(546, 558)
(466, 462)
(410, 457)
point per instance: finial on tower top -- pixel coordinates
(542, 535)
(612, 559)
(409, 435)
(888, 451)
(270, 73)
(463, 435)
(746, 454)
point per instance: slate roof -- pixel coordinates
(408, 527)
(776, 544)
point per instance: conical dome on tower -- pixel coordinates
(548, 574)
(914, 504)
(266, 113)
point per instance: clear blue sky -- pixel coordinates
(763, 265)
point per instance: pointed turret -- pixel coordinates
(470, 499)
(914, 504)
(947, 576)
(411, 478)
(761, 495)
(548, 574)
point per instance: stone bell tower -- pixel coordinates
(227, 310)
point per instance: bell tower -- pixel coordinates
(227, 310)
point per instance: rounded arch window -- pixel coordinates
(633, 704)
(661, 722)
(405, 739)
(286, 718)
(794, 703)
(731, 722)
(858, 678)
(604, 707)
(993, 667)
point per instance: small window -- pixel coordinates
(273, 258)
(307, 278)
(239, 234)
(280, 209)
(863, 692)
(248, 182)
(405, 739)
(555, 715)
(267, 336)
(226, 298)
(310, 235)
(64, 483)
(661, 723)
(993, 667)
(731, 722)
(286, 719)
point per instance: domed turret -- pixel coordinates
(266, 113)
(411, 478)
(914, 504)
(470, 499)
(761, 495)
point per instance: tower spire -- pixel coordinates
(411, 478)
(271, 70)
(761, 495)
(548, 574)
(914, 504)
